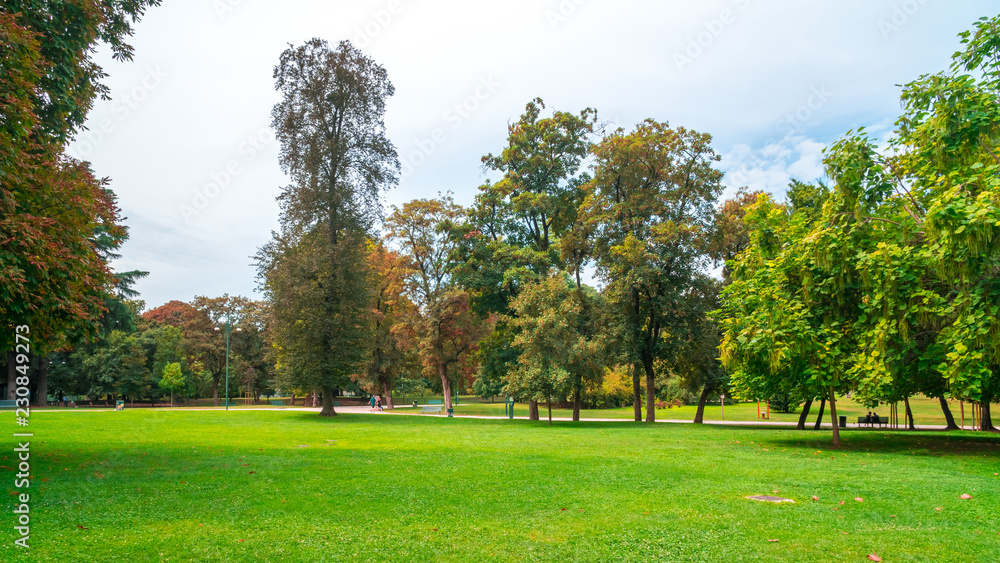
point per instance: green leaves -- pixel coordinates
(900, 271)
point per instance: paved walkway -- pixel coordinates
(401, 410)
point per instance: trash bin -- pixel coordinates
(414, 403)
(119, 405)
(451, 412)
(843, 422)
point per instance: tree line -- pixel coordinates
(880, 280)
(490, 296)
(887, 281)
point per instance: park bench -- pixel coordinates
(872, 421)
(429, 408)
(8, 404)
(435, 402)
(277, 403)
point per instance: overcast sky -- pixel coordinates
(187, 145)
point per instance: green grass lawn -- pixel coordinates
(254, 485)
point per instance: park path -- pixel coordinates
(401, 411)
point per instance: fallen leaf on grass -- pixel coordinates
(859, 499)
(815, 497)
(772, 541)
(81, 527)
(939, 508)
(873, 557)
(966, 496)
(841, 503)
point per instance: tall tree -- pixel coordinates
(651, 204)
(393, 312)
(523, 215)
(52, 277)
(562, 349)
(334, 148)
(447, 330)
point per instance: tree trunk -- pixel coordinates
(650, 392)
(805, 414)
(445, 386)
(327, 403)
(215, 389)
(984, 415)
(11, 376)
(315, 401)
(909, 413)
(576, 403)
(42, 389)
(833, 417)
(387, 391)
(947, 414)
(819, 419)
(550, 410)
(532, 410)
(699, 415)
(637, 392)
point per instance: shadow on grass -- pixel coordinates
(929, 443)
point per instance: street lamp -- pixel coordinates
(229, 325)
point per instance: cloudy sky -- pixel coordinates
(187, 145)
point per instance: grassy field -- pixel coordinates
(252, 485)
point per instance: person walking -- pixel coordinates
(372, 403)
(378, 403)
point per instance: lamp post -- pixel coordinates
(229, 326)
